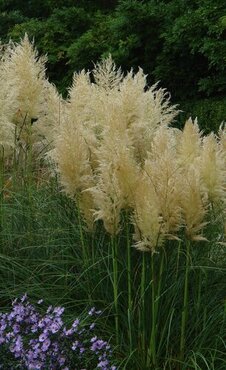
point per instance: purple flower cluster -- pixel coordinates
(36, 341)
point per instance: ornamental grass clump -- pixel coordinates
(32, 340)
(152, 186)
(139, 185)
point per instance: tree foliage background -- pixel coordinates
(181, 43)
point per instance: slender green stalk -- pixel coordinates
(155, 298)
(185, 302)
(115, 284)
(205, 309)
(1, 169)
(178, 257)
(29, 174)
(159, 290)
(152, 344)
(199, 290)
(129, 282)
(29, 157)
(15, 176)
(160, 281)
(81, 234)
(204, 318)
(1, 186)
(225, 311)
(85, 254)
(93, 247)
(142, 328)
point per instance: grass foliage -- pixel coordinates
(163, 303)
(41, 254)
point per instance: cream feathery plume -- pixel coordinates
(125, 100)
(193, 201)
(159, 111)
(76, 144)
(86, 204)
(26, 73)
(189, 144)
(108, 201)
(82, 107)
(141, 109)
(130, 96)
(7, 103)
(222, 144)
(80, 98)
(106, 75)
(213, 170)
(71, 156)
(155, 110)
(52, 115)
(127, 173)
(164, 172)
(149, 229)
(130, 102)
(117, 148)
(116, 179)
(194, 205)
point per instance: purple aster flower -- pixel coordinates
(17, 347)
(49, 309)
(46, 345)
(16, 328)
(61, 360)
(2, 340)
(82, 349)
(103, 364)
(58, 311)
(3, 325)
(24, 298)
(55, 347)
(97, 344)
(43, 337)
(68, 332)
(54, 327)
(35, 365)
(8, 336)
(45, 322)
(75, 345)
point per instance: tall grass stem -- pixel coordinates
(142, 328)
(129, 282)
(185, 302)
(151, 355)
(114, 246)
